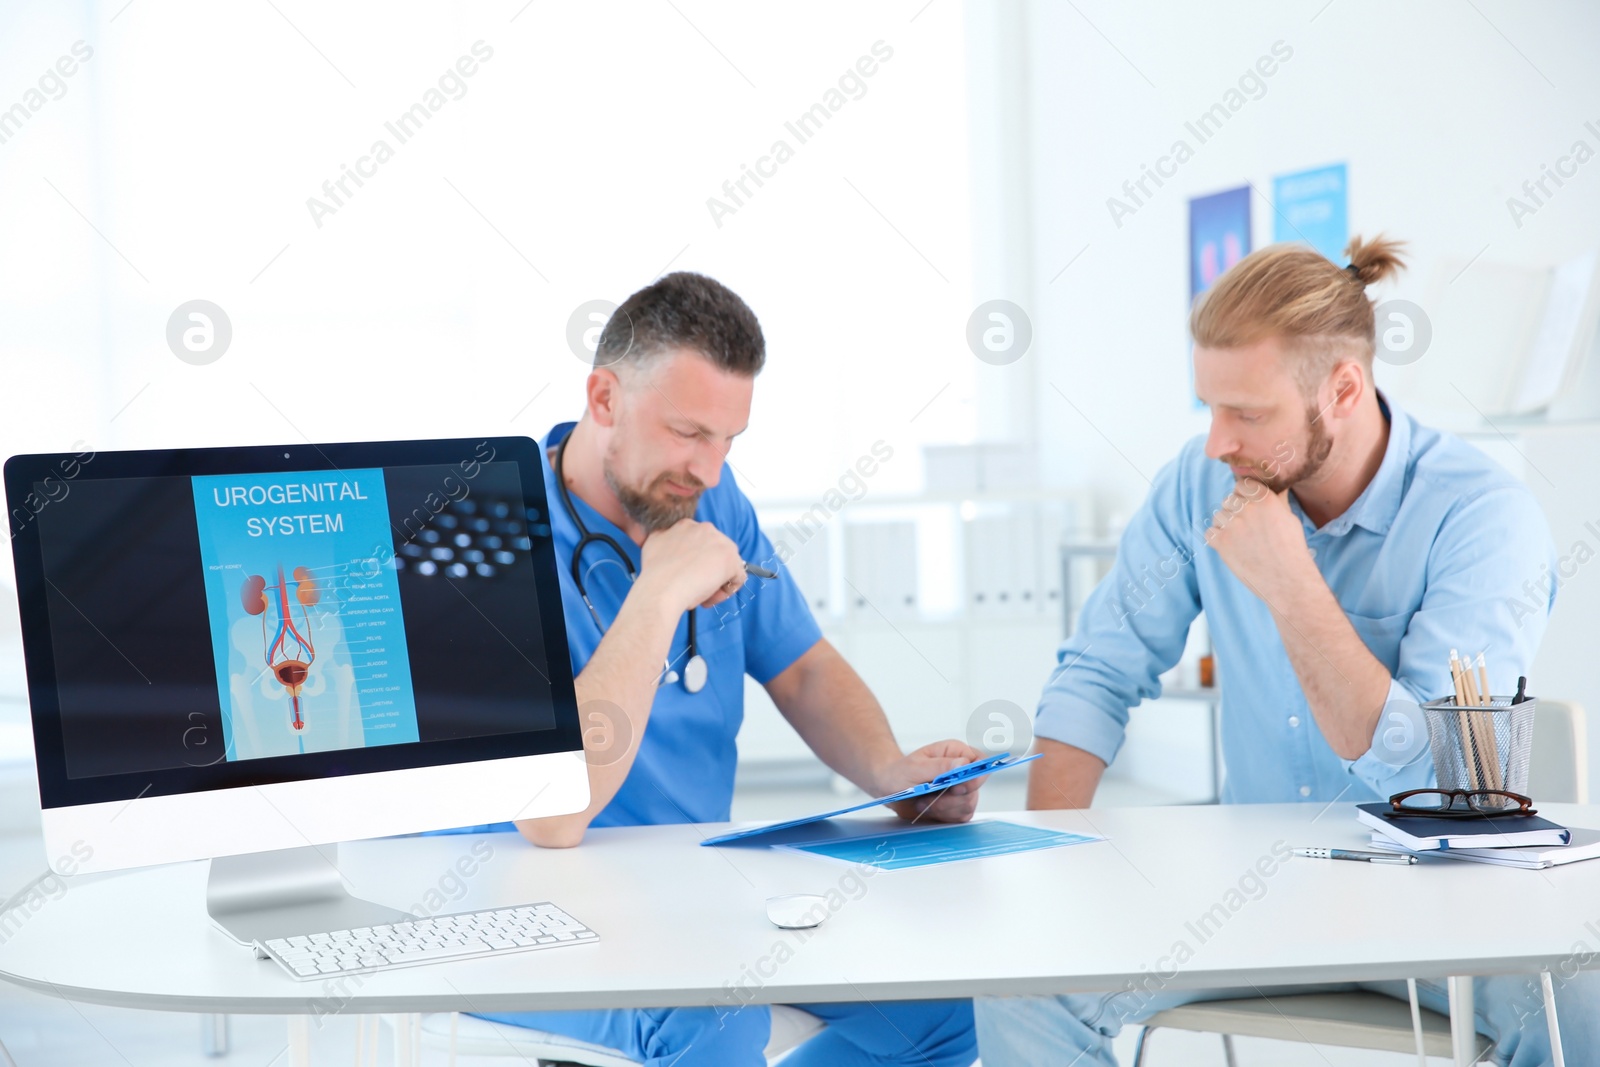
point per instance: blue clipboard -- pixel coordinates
(944, 781)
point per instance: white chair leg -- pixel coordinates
(371, 1035)
(1557, 1056)
(407, 1039)
(1463, 1020)
(213, 1036)
(1416, 1022)
(299, 1041)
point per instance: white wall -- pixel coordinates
(576, 164)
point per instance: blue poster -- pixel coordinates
(306, 628)
(1219, 236)
(1313, 207)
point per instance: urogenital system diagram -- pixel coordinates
(291, 666)
(308, 634)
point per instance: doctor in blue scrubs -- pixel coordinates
(652, 534)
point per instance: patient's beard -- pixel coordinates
(1312, 455)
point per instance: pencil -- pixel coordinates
(1475, 725)
(1491, 745)
(1455, 678)
(1481, 739)
(1469, 740)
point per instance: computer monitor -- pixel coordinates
(236, 651)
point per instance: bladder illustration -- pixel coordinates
(291, 666)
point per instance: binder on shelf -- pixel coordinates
(1012, 568)
(1050, 526)
(986, 467)
(1022, 551)
(951, 469)
(809, 565)
(980, 545)
(880, 566)
(1005, 467)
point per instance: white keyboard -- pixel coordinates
(440, 937)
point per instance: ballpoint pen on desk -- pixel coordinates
(1353, 854)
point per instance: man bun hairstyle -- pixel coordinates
(1373, 261)
(684, 310)
(1289, 291)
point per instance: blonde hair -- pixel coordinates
(1292, 292)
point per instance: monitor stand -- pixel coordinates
(262, 895)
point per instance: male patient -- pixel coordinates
(1339, 550)
(647, 476)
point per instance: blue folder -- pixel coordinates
(965, 773)
(927, 846)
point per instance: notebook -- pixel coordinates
(1585, 846)
(1419, 833)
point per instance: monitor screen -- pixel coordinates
(202, 620)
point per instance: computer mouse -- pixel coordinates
(797, 911)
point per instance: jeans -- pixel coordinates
(1078, 1029)
(924, 1033)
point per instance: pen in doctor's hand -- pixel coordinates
(1354, 854)
(759, 572)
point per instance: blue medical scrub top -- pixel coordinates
(685, 766)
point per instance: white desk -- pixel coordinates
(680, 924)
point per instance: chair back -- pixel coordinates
(1559, 769)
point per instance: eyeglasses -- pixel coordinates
(1460, 803)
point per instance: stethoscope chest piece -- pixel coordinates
(695, 673)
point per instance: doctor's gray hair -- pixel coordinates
(684, 310)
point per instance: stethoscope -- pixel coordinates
(695, 670)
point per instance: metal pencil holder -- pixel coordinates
(1481, 747)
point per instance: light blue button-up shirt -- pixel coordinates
(1443, 549)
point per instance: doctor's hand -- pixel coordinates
(955, 804)
(691, 563)
(1261, 540)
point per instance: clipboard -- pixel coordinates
(956, 776)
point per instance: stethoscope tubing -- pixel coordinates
(587, 537)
